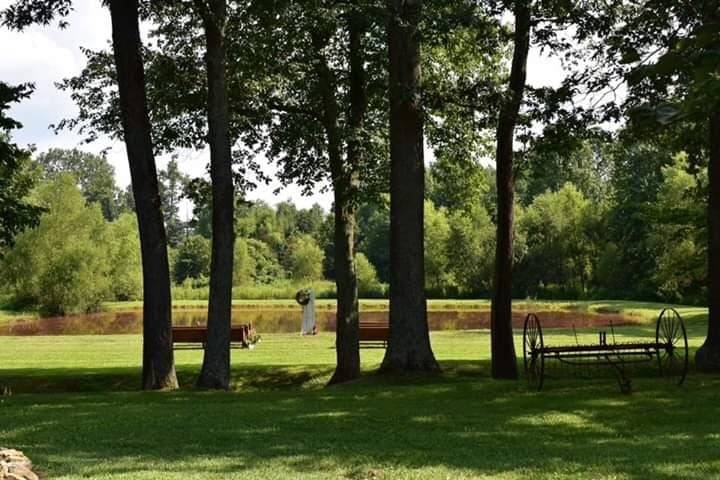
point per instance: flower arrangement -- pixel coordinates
(302, 297)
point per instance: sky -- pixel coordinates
(45, 55)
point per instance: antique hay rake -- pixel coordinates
(670, 350)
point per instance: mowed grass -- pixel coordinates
(75, 410)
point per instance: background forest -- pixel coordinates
(613, 218)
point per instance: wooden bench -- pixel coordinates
(374, 334)
(241, 336)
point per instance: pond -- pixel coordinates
(289, 320)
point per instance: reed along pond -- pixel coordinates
(289, 320)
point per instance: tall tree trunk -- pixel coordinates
(158, 362)
(215, 371)
(346, 185)
(504, 362)
(707, 357)
(409, 344)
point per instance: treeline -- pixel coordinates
(85, 247)
(616, 221)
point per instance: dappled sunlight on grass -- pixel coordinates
(414, 431)
(280, 422)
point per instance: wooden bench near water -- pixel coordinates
(374, 333)
(241, 336)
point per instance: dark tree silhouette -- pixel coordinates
(158, 362)
(409, 346)
(504, 363)
(216, 362)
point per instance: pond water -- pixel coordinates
(288, 321)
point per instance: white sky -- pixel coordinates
(47, 55)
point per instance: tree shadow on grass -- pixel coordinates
(102, 380)
(443, 426)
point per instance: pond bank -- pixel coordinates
(278, 320)
(642, 312)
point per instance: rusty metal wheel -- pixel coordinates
(533, 355)
(671, 339)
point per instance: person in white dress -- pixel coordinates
(309, 326)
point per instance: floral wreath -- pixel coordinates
(303, 296)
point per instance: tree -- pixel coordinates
(16, 178)
(636, 181)
(192, 259)
(470, 246)
(244, 266)
(460, 184)
(437, 233)
(321, 123)
(215, 371)
(95, 176)
(124, 251)
(282, 97)
(504, 364)
(560, 230)
(311, 221)
(409, 342)
(62, 265)
(267, 267)
(586, 166)
(678, 234)
(306, 258)
(172, 189)
(158, 362)
(132, 111)
(667, 53)
(374, 236)
(368, 283)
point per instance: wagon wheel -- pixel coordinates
(671, 337)
(532, 351)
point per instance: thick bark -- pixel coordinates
(707, 357)
(504, 362)
(409, 343)
(346, 185)
(215, 371)
(158, 363)
(347, 334)
(344, 180)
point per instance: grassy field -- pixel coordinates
(76, 412)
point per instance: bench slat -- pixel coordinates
(374, 333)
(239, 334)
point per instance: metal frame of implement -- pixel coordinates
(670, 348)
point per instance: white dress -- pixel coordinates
(308, 323)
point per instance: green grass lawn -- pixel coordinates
(76, 412)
